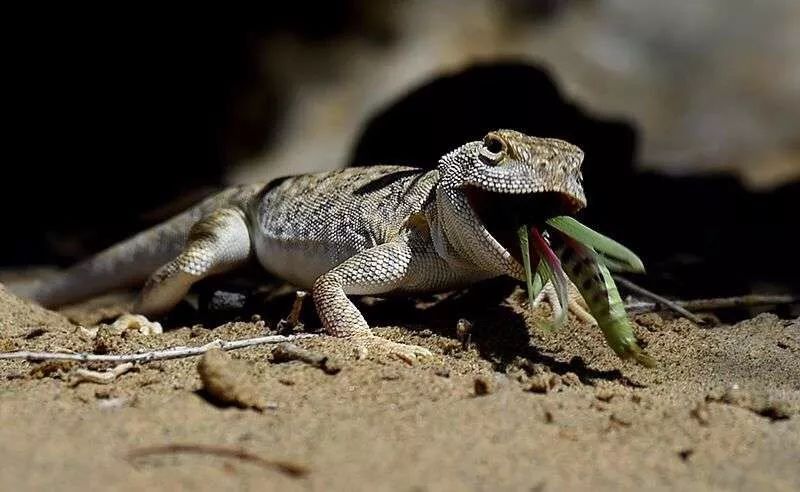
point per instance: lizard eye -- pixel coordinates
(494, 148)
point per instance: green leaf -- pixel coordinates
(550, 269)
(602, 297)
(616, 256)
(522, 233)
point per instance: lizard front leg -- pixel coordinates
(217, 243)
(381, 269)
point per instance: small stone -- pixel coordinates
(225, 302)
(135, 322)
(442, 372)
(571, 379)
(484, 386)
(545, 383)
(464, 332)
(227, 381)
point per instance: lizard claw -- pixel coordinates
(378, 345)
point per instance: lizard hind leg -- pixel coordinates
(217, 243)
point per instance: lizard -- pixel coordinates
(374, 230)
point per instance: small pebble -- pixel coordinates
(571, 379)
(545, 383)
(227, 381)
(484, 386)
(136, 322)
(464, 332)
(225, 302)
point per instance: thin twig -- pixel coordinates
(297, 306)
(659, 299)
(291, 469)
(172, 353)
(292, 322)
(698, 305)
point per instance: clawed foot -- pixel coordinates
(380, 346)
(576, 304)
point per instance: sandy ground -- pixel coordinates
(514, 410)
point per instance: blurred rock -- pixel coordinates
(712, 84)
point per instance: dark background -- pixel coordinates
(115, 124)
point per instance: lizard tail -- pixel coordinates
(128, 263)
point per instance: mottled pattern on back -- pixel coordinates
(341, 212)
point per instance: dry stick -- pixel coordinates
(294, 315)
(721, 303)
(293, 320)
(659, 299)
(288, 352)
(172, 353)
(291, 469)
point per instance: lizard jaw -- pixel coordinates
(500, 214)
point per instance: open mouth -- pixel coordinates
(503, 213)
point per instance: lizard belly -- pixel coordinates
(299, 263)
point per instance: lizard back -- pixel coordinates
(308, 224)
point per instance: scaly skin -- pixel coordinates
(356, 231)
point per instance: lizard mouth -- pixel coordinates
(503, 213)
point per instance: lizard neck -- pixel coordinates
(461, 239)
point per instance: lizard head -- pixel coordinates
(490, 187)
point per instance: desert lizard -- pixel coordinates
(354, 231)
